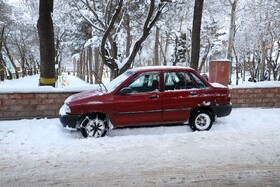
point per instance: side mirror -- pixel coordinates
(125, 90)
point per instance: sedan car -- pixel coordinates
(147, 96)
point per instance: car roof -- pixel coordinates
(159, 68)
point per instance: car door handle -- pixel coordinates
(153, 96)
(193, 93)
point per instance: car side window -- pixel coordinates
(177, 81)
(199, 82)
(147, 82)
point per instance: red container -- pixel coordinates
(219, 71)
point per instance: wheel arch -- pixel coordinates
(203, 108)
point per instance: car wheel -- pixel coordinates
(93, 126)
(201, 121)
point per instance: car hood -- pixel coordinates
(84, 95)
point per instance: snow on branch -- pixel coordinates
(95, 14)
(88, 20)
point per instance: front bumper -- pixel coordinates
(222, 110)
(70, 121)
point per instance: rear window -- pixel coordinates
(177, 81)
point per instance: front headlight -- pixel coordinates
(64, 110)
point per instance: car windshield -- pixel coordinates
(117, 81)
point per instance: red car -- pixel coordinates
(147, 96)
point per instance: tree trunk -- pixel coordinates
(47, 48)
(90, 65)
(175, 57)
(232, 28)
(128, 34)
(84, 65)
(203, 60)
(198, 9)
(79, 65)
(156, 49)
(87, 64)
(2, 68)
(74, 60)
(98, 67)
(188, 51)
(165, 49)
(244, 69)
(11, 59)
(164, 52)
(263, 57)
(237, 65)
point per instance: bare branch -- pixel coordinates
(149, 23)
(106, 36)
(86, 3)
(89, 21)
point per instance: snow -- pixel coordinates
(42, 150)
(218, 85)
(262, 84)
(29, 84)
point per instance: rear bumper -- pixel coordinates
(69, 120)
(222, 110)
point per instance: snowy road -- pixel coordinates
(242, 149)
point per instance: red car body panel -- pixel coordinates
(137, 109)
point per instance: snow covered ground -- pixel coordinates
(242, 149)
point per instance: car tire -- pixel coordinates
(201, 121)
(93, 126)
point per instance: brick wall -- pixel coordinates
(38, 105)
(255, 97)
(31, 105)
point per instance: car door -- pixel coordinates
(180, 95)
(143, 105)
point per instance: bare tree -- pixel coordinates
(273, 57)
(207, 48)
(153, 15)
(11, 59)
(5, 20)
(110, 19)
(58, 48)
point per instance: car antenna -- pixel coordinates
(99, 81)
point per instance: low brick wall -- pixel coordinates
(39, 105)
(255, 97)
(31, 105)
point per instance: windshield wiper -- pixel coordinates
(99, 81)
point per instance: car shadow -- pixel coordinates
(155, 130)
